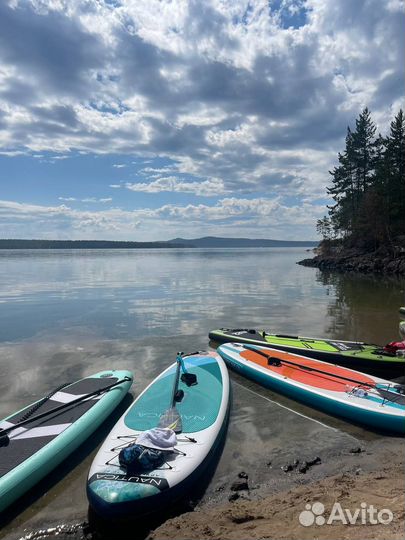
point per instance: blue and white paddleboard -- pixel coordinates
(203, 411)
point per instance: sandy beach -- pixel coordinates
(291, 497)
(278, 516)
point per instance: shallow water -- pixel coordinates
(65, 314)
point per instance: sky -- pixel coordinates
(150, 120)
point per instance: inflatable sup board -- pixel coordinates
(343, 392)
(203, 409)
(36, 439)
(353, 354)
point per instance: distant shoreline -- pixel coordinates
(84, 244)
(208, 242)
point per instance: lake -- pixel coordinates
(69, 313)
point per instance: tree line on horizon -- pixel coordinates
(368, 188)
(84, 244)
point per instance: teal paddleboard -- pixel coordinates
(203, 409)
(39, 437)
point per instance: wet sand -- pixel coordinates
(277, 492)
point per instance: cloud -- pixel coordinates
(95, 200)
(250, 99)
(43, 44)
(86, 199)
(207, 188)
(262, 217)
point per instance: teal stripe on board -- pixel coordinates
(205, 396)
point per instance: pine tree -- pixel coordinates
(342, 190)
(368, 186)
(363, 152)
(395, 171)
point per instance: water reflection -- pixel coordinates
(145, 292)
(69, 313)
(363, 307)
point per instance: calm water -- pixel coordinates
(65, 314)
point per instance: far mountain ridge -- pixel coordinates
(217, 241)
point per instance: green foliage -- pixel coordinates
(324, 227)
(368, 186)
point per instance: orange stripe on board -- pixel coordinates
(318, 380)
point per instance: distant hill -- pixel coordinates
(218, 242)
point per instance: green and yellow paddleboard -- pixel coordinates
(357, 355)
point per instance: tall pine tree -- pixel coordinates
(395, 170)
(368, 186)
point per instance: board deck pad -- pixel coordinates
(198, 410)
(26, 441)
(329, 380)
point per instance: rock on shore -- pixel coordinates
(355, 260)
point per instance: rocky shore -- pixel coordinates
(355, 260)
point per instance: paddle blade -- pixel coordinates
(171, 419)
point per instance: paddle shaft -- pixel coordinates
(61, 407)
(310, 368)
(171, 418)
(176, 384)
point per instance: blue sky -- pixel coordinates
(148, 120)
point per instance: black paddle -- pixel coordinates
(171, 418)
(4, 439)
(273, 360)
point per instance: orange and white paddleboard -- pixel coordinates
(364, 399)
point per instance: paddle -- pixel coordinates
(278, 361)
(4, 439)
(171, 418)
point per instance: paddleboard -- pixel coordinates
(33, 450)
(203, 411)
(364, 399)
(353, 354)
